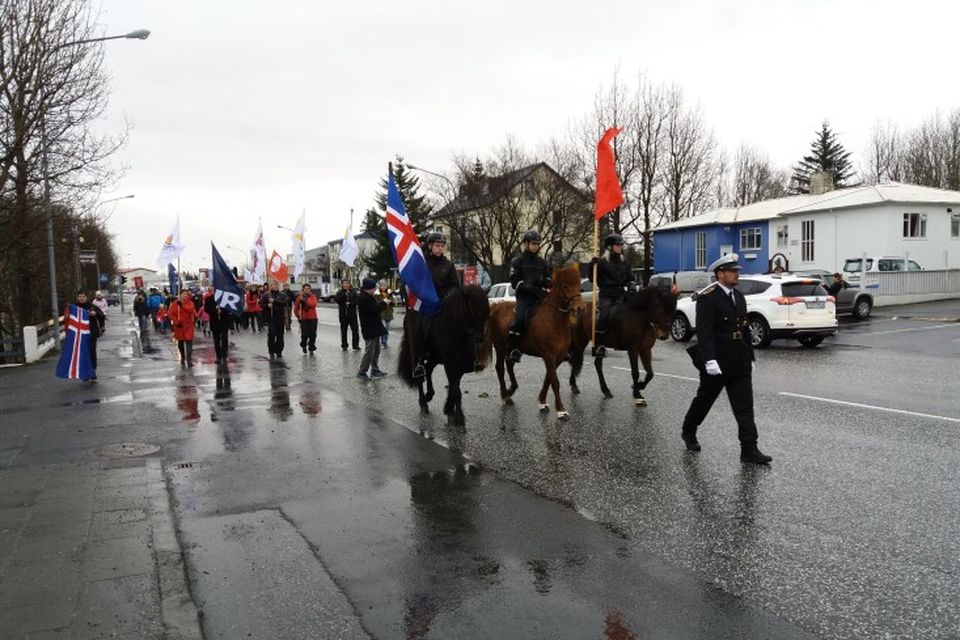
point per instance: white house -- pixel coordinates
(821, 231)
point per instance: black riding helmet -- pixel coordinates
(436, 236)
(612, 239)
(532, 236)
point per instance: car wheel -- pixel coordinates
(808, 342)
(680, 328)
(759, 332)
(861, 308)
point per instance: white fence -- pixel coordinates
(904, 287)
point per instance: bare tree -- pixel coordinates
(53, 89)
(690, 171)
(755, 178)
(926, 154)
(886, 154)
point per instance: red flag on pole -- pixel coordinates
(609, 194)
(277, 269)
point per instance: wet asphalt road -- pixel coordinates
(310, 505)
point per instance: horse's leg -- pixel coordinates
(646, 356)
(513, 378)
(542, 398)
(501, 357)
(452, 407)
(576, 363)
(555, 383)
(598, 365)
(429, 377)
(638, 398)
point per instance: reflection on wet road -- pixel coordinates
(599, 527)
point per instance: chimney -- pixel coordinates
(821, 182)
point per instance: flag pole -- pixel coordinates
(596, 296)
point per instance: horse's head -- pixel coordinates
(566, 290)
(476, 311)
(663, 309)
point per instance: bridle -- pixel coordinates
(565, 307)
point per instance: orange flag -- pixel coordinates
(609, 195)
(277, 269)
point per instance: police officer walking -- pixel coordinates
(445, 279)
(275, 305)
(530, 276)
(614, 278)
(724, 357)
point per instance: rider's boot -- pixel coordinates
(513, 347)
(599, 351)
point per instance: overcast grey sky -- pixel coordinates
(247, 109)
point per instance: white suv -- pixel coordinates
(853, 268)
(778, 307)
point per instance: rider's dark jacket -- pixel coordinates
(613, 275)
(529, 275)
(444, 274)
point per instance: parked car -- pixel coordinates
(586, 289)
(502, 292)
(853, 268)
(113, 299)
(687, 281)
(850, 300)
(778, 306)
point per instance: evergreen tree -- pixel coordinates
(415, 205)
(826, 154)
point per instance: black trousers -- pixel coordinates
(220, 341)
(349, 321)
(92, 349)
(520, 312)
(603, 316)
(185, 347)
(740, 393)
(275, 336)
(308, 334)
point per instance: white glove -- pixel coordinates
(712, 368)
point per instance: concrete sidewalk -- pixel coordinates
(936, 311)
(88, 547)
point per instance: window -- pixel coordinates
(701, 250)
(890, 264)
(954, 228)
(752, 287)
(913, 266)
(783, 236)
(806, 241)
(750, 238)
(802, 289)
(914, 225)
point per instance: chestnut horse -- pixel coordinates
(634, 327)
(455, 341)
(548, 335)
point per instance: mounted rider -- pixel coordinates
(530, 276)
(445, 280)
(614, 279)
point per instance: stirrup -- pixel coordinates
(418, 372)
(514, 356)
(599, 352)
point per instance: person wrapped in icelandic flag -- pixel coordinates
(81, 326)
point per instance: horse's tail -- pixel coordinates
(405, 360)
(486, 349)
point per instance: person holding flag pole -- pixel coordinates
(609, 196)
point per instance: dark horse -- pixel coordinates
(455, 341)
(548, 335)
(634, 327)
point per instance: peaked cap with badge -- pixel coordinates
(729, 262)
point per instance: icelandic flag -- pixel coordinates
(408, 256)
(226, 292)
(74, 360)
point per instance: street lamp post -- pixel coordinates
(139, 34)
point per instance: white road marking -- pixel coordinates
(880, 333)
(665, 375)
(869, 406)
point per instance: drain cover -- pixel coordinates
(126, 450)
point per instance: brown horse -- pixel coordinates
(548, 335)
(634, 327)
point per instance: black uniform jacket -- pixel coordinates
(370, 324)
(612, 276)
(444, 274)
(219, 317)
(347, 301)
(529, 275)
(280, 301)
(722, 332)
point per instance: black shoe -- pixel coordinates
(691, 442)
(304, 350)
(599, 352)
(344, 348)
(356, 348)
(514, 356)
(754, 456)
(419, 372)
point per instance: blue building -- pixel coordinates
(692, 244)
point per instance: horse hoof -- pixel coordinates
(544, 408)
(575, 390)
(607, 394)
(508, 400)
(563, 415)
(640, 402)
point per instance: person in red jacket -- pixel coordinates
(183, 318)
(252, 309)
(305, 309)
